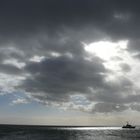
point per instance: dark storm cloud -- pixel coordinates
(25, 18)
(41, 25)
(63, 75)
(23, 23)
(46, 27)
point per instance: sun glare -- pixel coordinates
(105, 49)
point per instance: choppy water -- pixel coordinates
(11, 132)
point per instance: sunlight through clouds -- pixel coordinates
(113, 53)
(105, 49)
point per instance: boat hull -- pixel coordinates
(132, 127)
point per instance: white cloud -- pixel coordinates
(37, 58)
(15, 63)
(20, 101)
(8, 83)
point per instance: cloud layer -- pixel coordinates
(42, 46)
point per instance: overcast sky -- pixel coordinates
(70, 62)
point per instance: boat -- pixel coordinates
(128, 126)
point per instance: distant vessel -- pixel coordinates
(128, 126)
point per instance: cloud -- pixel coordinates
(53, 16)
(135, 107)
(42, 51)
(59, 77)
(10, 69)
(125, 67)
(20, 101)
(108, 107)
(46, 24)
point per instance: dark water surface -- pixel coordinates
(20, 132)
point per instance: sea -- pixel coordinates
(28, 132)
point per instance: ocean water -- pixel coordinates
(18, 132)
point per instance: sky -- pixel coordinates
(69, 62)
